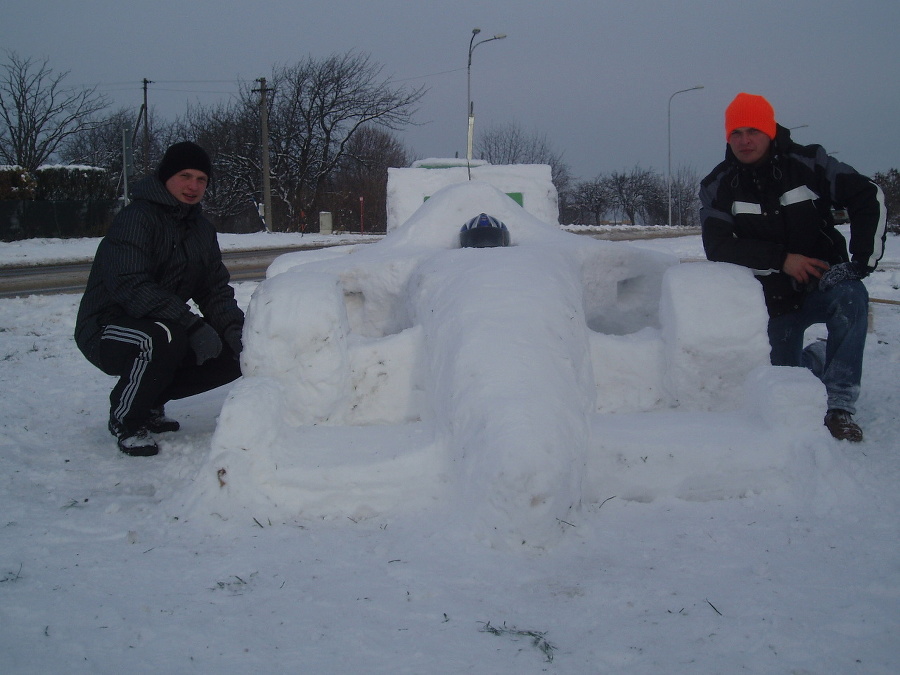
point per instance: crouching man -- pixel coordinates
(134, 321)
(768, 207)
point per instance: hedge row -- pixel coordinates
(56, 183)
(16, 183)
(40, 219)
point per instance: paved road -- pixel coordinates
(71, 278)
(243, 266)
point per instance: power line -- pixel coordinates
(192, 91)
(422, 77)
(137, 84)
(131, 82)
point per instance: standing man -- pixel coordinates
(768, 207)
(134, 321)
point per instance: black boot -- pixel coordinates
(158, 423)
(138, 443)
(841, 425)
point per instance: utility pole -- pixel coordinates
(669, 133)
(264, 122)
(127, 160)
(469, 104)
(146, 131)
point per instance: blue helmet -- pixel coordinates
(483, 231)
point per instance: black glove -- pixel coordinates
(233, 339)
(846, 271)
(205, 341)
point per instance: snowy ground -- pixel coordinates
(103, 571)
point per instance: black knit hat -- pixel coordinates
(184, 155)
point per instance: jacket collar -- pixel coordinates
(151, 189)
(770, 165)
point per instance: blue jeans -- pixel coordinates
(844, 309)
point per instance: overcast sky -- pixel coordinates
(595, 76)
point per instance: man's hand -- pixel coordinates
(205, 342)
(802, 269)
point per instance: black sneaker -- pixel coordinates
(841, 425)
(158, 423)
(134, 443)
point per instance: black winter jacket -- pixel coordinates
(158, 254)
(755, 215)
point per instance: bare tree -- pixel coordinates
(231, 135)
(654, 199)
(38, 113)
(510, 144)
(102, 145)
(631, 191)
(592, 197)
(317, 108)
(361, 179)
(685, 197)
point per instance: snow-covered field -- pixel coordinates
(111, 564)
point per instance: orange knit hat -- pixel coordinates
(750, 110)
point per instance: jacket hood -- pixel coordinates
(151, 189)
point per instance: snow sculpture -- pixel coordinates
(709, 348)
(412, 374)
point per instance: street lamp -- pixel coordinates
(669, 174)
(470, 105)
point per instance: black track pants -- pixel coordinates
(154, 364)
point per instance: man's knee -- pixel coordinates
(850, 299)
(161, 344)
(850, 291)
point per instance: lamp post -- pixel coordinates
(470, 106)
(669, 173)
